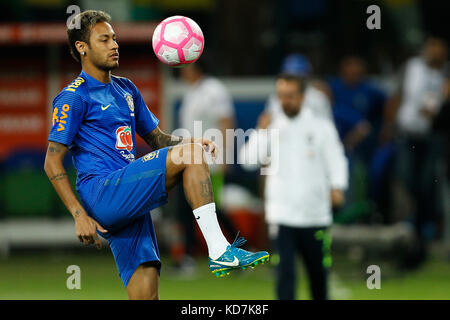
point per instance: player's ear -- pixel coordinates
(81, 47)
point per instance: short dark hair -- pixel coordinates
(82, 31)
(301, 81)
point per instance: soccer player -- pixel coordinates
(96, 117)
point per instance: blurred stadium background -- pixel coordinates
(246, 42)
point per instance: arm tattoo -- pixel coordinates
(59, 176)
(77, 213)
(158, 139)
(53, 148)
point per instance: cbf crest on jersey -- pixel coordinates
(130, 102)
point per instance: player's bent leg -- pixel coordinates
(144, 283)
(126, 194)
(187, 163)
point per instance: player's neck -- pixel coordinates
(98, 74)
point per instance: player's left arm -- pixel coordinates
(147, 127)
(158, 139)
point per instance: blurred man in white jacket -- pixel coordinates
(317, 93)
(309, 175)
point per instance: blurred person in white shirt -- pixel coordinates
(409, 117)
(307, 177)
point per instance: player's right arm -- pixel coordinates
(68, 113)
(85, 226)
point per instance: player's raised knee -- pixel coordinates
(194, 154)
(187, 154)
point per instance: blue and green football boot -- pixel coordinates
(236, 258)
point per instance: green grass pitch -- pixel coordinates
(43, 276)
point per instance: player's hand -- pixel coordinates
(208, 145)
(86, 230)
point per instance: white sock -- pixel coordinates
(207, 221)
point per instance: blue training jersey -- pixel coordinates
(98, 121)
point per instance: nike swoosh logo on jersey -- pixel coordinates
(233, 263)
(104, 108)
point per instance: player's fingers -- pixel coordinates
(208, 145)
(205, 142)
(97, 226)
(80, 238)
(86, 240)
(92, 236)
(100, 228)
(213, 149)
(98, 243)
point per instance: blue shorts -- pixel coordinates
(122, 206)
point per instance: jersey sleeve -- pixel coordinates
(146, 121)
(67, 114)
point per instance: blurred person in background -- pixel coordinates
(208, 103)
(411, 113)
(310, 178)
(441, 124)
(358, 107)
(316, 94)
(442, 129)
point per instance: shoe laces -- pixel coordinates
(238, 241)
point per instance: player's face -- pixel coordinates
(290, 97)
(103, 48)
